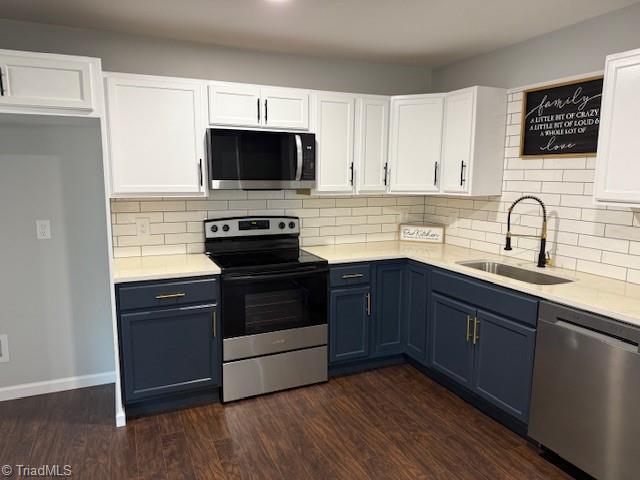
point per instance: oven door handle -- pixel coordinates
(298, 157)
(272, 276)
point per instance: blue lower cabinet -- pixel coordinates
(169, 351)
(416, 311)
(170, 339)
(450, 345)
(349, 320)
(503, 364)
(388, 312)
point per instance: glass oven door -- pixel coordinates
(268, 302)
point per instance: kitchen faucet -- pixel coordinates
(542, 259)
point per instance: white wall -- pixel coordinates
(570, 51)
(54, 293)
(138, 54)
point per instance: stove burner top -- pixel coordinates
(256, 243)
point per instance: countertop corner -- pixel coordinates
(136, 269)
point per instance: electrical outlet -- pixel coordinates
(43, 229)
(142, 227)
(4, 349)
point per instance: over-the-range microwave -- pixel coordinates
(259, 160)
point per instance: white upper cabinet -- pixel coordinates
(234, 104)
(473, 141)
(458, 139)
(335, 124)
(50, 84)
(371, 144)
(242, 105)
(618, 160)
(415, 142)
(285, 108)
(156, 135)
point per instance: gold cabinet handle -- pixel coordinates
(347, 276)
(166, 296)
(214, 321)
(476, 337)
(468, 327)
(369, 304)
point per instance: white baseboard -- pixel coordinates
(57, 385)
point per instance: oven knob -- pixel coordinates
(214, 228)
(281, 225)
(292, 225)
(225, 228)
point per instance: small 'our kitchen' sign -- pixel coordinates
(422, 233)
(561, 119)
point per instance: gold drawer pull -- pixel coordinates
(167, 296)
(352, 275)
(468, 327)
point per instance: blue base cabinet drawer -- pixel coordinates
(167, 293)
(485, 295)
(350, 275)
(172, 348)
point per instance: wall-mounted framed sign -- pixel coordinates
(561, 119)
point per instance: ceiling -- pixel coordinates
(416, 32)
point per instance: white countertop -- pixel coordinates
(605, 296)
(134, 269)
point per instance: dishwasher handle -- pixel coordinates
(612, 341)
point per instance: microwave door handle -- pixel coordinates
(298, 157)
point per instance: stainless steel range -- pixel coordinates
(274, 305)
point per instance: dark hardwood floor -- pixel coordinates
(392, 423)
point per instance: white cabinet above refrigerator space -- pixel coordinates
(48, 84)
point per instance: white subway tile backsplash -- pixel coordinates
(247, 204)
(137, 241)
(355, 202)
(563, 187)
(157, 228)
(319, 203)
(608, 216)
(351, 220)
(265, 194)
(544, 175)
(185, 216)
(284, 203)
(597, 268)
(578, 175)
(366, 229)
(621, 259)
(154, 217)
(625, 233)
(163, 206)
(125, 207)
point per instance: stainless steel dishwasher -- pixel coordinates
(585, 403)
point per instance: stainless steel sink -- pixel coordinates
(522, 274)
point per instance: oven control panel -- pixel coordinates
(251, 226)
